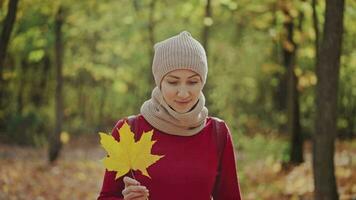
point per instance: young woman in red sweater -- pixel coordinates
(199, 159)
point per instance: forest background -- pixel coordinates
(69, 69)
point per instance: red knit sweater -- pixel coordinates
(188, 171)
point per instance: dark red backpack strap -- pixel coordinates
(220, 140)
(219, 137)
(132, 121)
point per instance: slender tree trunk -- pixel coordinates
(205, 40)
(1, 4)
(21, 88)
(206, 29)
(8, 25)
(81, 97)
(280, 92)
(297, 136)
(327, 71)
(101, 105)
(293, 124)
(54, 140)
(316, 29)
(151, 34)
(39, 87)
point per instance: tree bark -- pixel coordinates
(102, 105)
(8, 25)
(6, 32)
(21, 87)
(39, 87)
(206, 29)
(54, 140)
(316, 29)
(293, 121)
(280, 92)
(151, 34)
(327, 71)
(205, 42)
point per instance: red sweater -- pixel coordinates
(188, 171)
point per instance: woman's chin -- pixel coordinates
(181, 109)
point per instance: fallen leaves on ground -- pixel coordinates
(25, 174)
(268, 180)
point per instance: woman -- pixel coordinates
(191, 168)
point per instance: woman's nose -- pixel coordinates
(183, 92)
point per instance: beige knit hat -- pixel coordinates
(179, 52)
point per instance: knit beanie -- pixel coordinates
(179, 52)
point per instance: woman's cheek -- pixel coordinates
(197, 89)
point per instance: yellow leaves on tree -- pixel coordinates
(128, 154)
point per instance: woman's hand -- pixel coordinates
(133, 190)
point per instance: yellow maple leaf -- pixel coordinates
(128, 154)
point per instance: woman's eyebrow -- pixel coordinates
(193, 75)
(176, 77)
(171, 76)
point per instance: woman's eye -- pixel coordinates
(172, 82)
(192, 82)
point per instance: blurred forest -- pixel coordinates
(69, 69)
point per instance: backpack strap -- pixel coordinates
(131, 120)
(219, 137)
(220, 144)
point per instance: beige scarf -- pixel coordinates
(161, 116)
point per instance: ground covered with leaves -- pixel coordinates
(25, 173)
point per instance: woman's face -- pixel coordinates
(181, 89)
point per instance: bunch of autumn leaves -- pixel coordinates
(127, 154)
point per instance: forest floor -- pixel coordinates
(78, 173)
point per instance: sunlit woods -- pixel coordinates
(63, 79)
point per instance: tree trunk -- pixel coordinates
(21, 87)
(8, 25)
(293, 124)
(81, 96)
(102, 105)
(39, 87)
(54, 140)
(327, 72)
(205, 42)
(151, 35)
(6, 32)
(316, 29)
(206, 29)
(280, 92)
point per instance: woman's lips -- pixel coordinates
(183, 102)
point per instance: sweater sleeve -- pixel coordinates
(227, 185)
(111, 188)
